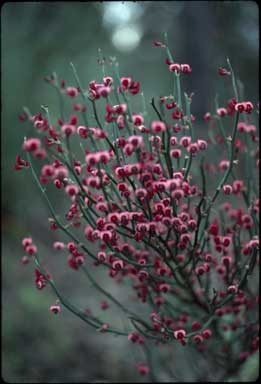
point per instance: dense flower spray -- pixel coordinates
(147, 204)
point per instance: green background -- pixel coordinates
(38, 38)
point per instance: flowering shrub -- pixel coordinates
(147, 205)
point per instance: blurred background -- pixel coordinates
(42, 37)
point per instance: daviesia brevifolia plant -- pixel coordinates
(146, 203)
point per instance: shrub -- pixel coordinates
(149, 207)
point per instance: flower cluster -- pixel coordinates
(146, 204)
(184, 68)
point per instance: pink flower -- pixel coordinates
(164, 287)
(173, 140)
(102, 257)
(103, 91)
(240, 107)
(72, 189)
(180, 334)
(227, 189)
(171, 105)
(223, 165)
(222, 112)
(133, 336)
(193, 148)
(25, 260)
(207, 117)
(31, 144)
(248, 107)
(174, 67)
(107, 80)
(202, 145)
(125, 82)
(117, 264)
(223, 72)
(136, 141)
(104, 305)
(68, 129)
(237, 186)
(200, 270)
(232, 288)
(176, 153)
(72, 91)
(198, 339)
(158, 44)
(158, 126)
(60, 172)
(82, 131)
(143, 369)
(185, 68)
(40, 153)
(58, 245)
(141, 193)
(55, 309)
(20, 163)
(40, 280)
(226, 260)
(103, 157)
(137, 120)
(185, 141)
(195, 325)
(177, 194)
(177, 115)
(31, 249)
(26, 242)
(47, 170)
(206, 333)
